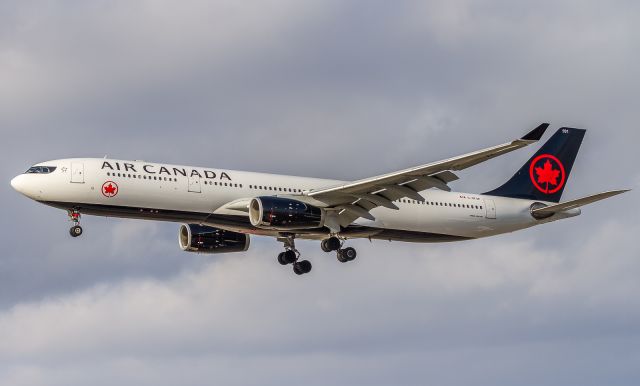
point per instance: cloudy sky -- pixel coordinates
(335, 89)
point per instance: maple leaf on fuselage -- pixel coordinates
(547, 174)
(110, 189)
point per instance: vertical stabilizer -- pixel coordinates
(545, 175)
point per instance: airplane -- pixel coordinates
(219, 209)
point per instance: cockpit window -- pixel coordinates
(40, 170)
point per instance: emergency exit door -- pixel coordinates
(490, 207)
(194, 184)
(77, 172)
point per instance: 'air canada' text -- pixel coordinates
(165, 170)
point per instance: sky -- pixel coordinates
(331, 89)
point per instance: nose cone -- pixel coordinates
(20, 184)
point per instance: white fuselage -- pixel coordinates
(201, 195)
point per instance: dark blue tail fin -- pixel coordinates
(545, 175)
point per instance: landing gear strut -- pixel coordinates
(76, 229)
(335, 244)
(292, 256)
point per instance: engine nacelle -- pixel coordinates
(284, 214)
(204, 239)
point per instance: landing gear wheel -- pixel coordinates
(347, 254)
(288, 257)
(75, 231)
(330, 244)
(301, 267)
(74, 215)
(292, 256)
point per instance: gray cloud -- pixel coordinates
(329, 89)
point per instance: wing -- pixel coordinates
(357, 198)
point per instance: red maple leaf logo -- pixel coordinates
(547, 174)
(109, 189)
(549, 177)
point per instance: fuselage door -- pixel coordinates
(194, 184)
(490, 207)
(77, 172)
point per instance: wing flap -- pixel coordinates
(435, 168)
(356, 199)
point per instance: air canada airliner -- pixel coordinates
(219, 209)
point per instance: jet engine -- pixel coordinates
(284, 214)
(204, 239)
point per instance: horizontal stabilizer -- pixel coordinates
(549, 210)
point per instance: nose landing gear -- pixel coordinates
(76, 229)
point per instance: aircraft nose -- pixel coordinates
(20, 184)
(16, 183)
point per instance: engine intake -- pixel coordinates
(204, 239)
(284, 214)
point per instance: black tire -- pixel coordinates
(341, 257)
(75, 231)
(324, 247)
(302, 267)
(281, 258)
(289, 257)
(333, 243)
(306, 265)
(349, 253)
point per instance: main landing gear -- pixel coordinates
(335, 244)
(76, 229)
(292, 256)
